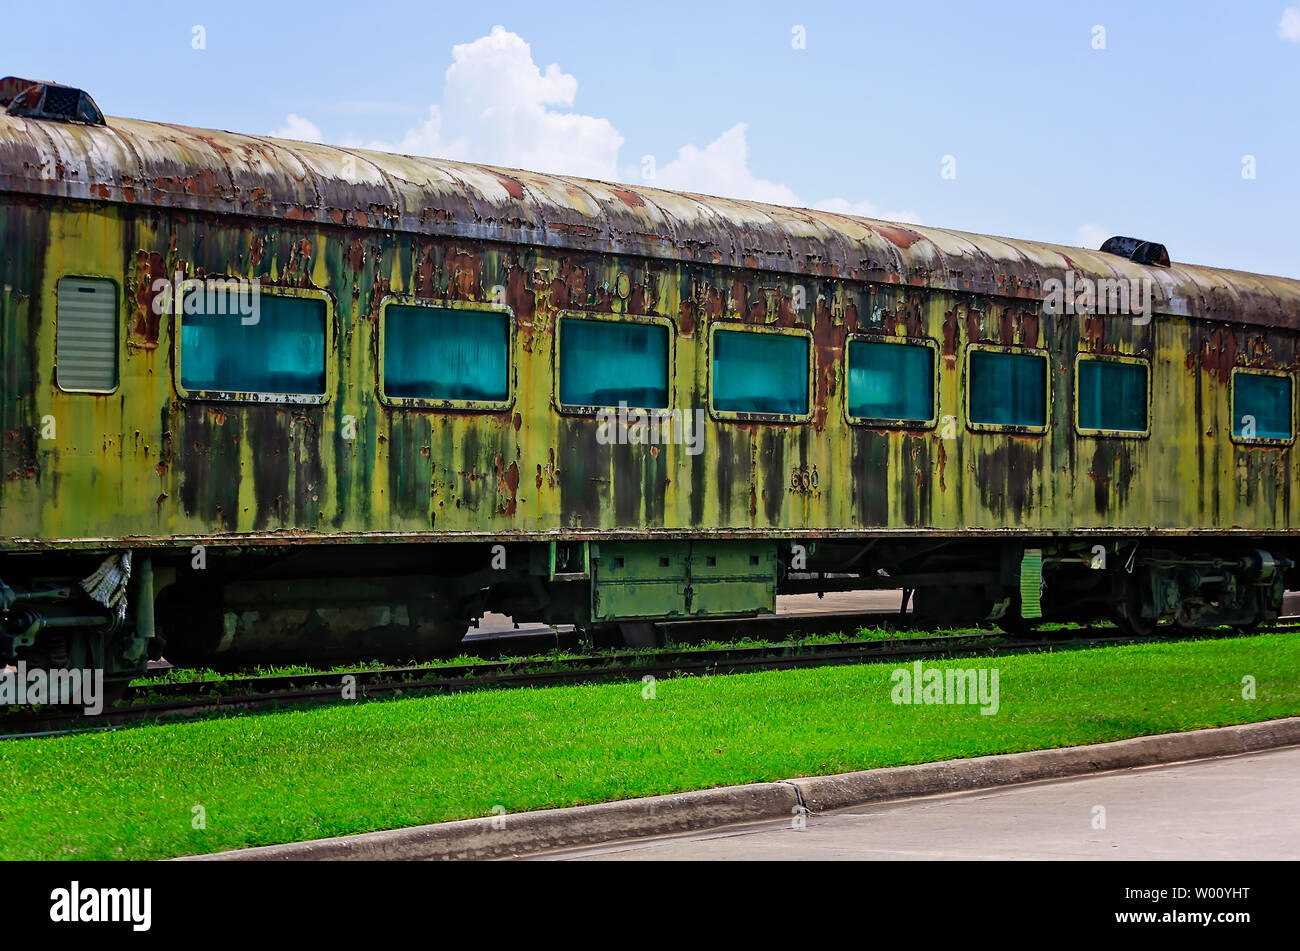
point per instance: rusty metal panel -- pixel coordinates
(147, 465)
(135, 162)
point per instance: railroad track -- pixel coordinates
(162, 701)
(534, 639)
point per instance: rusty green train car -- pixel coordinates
(276, 399)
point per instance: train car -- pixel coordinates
(278, 400)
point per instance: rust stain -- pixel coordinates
(1029, 328)
(356, 256)
(828, 344)
(629, 198)
(1007, 326)
(913, 318)
(512, 186)
(636, 301)
(425, 269)
(507, 485)
(951, 324)
(149, 268)
(1094, 332)
(903, 238)
(520, 298)
(686, 319)
(1219, 353)
(570, 288)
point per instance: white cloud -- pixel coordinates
(1289, 27)
(865, 209)
(722, 168)
(496, 109)
(1091, 236)
(299, 129)
(499, 108)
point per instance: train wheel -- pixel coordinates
(1127, 611)
(1187, 625)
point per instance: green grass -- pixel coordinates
(313, 772)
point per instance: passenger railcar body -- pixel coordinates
(417, 427)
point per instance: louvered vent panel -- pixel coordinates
(86, 336)
(61, 102)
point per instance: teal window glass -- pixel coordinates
(890, 381)
(1112, 396)
(608, 362)
(1264, 402)
(444, 353)
(760, 373)
(1008, 389)
(277, 349)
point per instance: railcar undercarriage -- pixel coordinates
(232, 607)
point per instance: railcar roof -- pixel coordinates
(129, 161)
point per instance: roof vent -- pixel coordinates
(1137, 251)
(36, 100)
(11, 86)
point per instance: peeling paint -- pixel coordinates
(143, 463)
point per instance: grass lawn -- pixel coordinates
(313, 772)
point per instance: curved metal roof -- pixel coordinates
(147, 163)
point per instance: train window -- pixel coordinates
(436, 352)
(891, 382)
(761, 372)
(85, 336)
(1006, 389)
(268, 346)
(605, 363)
(1112, 396)
(1262, 407)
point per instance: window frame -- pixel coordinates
(1258, 441)
(117, 332)
(872, 422)
(1008, 427)
(585, 409)
(791, 419)
(424, 402)
(242, 396)
(1087, 432)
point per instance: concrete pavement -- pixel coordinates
(1232, 808)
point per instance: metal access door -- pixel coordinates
(682, 579)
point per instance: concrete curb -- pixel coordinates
(527, 832)
(821, 793)
(550, 829)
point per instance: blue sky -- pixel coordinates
(1053, 139)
